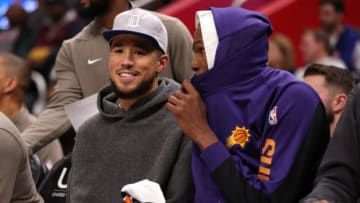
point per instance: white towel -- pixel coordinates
(145, 191)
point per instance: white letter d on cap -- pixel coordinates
(134, 21)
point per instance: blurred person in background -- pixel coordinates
(281, 53)
(344, 41)
(80, 68)
(315, 48)
(333, 86)
(16, 182)
(62, 23)
(38, 16)
(338, 178)
(14, 79)
(25, 33)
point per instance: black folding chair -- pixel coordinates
(54, 186)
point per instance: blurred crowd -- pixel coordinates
(335, 43)
(36, 65)
(37, 37)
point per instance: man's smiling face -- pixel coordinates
(134, 64)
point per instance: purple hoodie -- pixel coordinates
(261, 116)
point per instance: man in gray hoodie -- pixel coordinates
(133, 137)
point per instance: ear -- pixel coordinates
(162, 63)
(339, 102)
(11, 84)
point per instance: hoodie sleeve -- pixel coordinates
(16, 182)
(11, 154)
(180, 186)
(291, 152)
(44, 130)
(338, 179)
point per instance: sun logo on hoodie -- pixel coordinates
(239, 136)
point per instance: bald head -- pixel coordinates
(14, 66)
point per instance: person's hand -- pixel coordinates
(190, 113)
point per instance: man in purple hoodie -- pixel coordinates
(258, 133)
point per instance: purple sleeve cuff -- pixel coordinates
(215, 155)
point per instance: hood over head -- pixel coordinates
(236, 51)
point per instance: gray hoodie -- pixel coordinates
(115, 148)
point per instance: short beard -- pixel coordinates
(330, 117)
(141, 90)
(96, 8)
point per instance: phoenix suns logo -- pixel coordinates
(239, 136)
